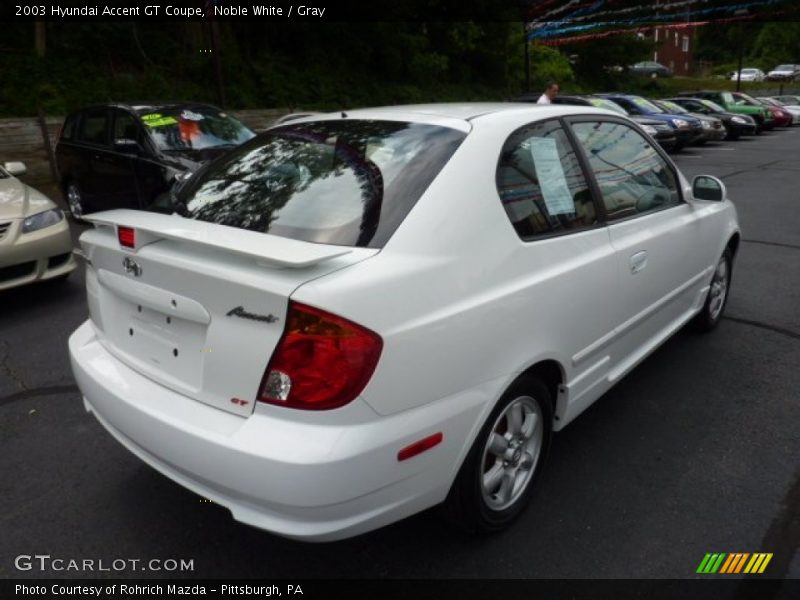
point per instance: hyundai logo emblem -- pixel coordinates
(131, 266)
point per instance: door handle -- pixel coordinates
(638, 261)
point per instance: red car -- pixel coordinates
(783, 118)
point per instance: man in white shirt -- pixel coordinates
(550, 92)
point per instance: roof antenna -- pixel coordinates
(344, 115)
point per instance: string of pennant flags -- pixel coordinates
(589, 22)
(547, 22)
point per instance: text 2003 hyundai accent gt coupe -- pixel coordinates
(356, 316)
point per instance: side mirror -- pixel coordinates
(706, 187)
(127, 146)
(15, 168)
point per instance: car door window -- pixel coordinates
(126, 127)
(68, 130)
(632, 176)
(540, 182)
(94, 127)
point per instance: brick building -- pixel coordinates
(674, 48)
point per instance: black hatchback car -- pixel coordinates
(735, 124)
(124, 156)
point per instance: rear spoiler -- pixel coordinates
(275, 250)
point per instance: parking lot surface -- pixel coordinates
(695, 451)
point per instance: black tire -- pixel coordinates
(75, 202)
(711, 314)
(466, 505)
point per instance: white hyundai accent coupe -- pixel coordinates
(356, 316)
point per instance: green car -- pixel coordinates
(741, 105)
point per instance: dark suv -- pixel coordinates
(124, 156)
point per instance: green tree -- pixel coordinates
(549, 64)
(777, 43)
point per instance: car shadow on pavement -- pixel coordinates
(18, 302)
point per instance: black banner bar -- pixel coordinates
(391, 589)
(66, 11)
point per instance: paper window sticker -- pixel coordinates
(550, 173)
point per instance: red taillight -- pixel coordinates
(321, 362)
(126, 236)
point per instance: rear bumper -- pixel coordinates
(30, 257)
(305, 476)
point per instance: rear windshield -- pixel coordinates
(348, 182)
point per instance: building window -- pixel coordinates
(685, 47)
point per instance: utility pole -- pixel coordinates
(40, 38)
(741, 52)
(740, 12)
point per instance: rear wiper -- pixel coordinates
(179, 205)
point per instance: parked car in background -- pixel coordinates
(293, 117)
(735, 125)
(713, 130)
(658, 130)
(651, 68)
(749, 74)
(124, 156)
(788, 99)
(403, 303)
(686, 128)
(35, 244)
(780, 118)
(784, 73)
(790, 116)
(762, 116)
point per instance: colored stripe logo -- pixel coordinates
(733, 563)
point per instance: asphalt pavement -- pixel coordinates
(695, 451)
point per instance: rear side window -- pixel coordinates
(126, 126)
(68, 130)
(348, 182)
(541, 184)
(633, 178)
(94, 127)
